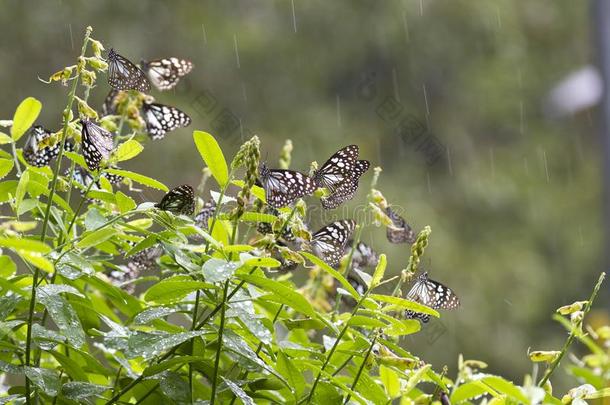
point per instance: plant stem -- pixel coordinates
(193, 324)
(573, 332)
(45, 223)
(368, 353)
(17, 165)
(348, 266)
(219, 349)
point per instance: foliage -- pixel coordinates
(219, 321)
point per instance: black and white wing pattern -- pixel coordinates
(124, 75)
(110, 102)
(400, 231)
(38, 150)
(432, 294)
(340, 175)
(165, 73)
(207, 212)
(180, 200)
(329, 242)
(267, 228)
(283, 187)
(161, 119)
(363, 256)
(143, 261)
(97, 143)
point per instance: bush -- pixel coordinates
(87, 319)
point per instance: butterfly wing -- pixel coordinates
(180, 200)
(432, 294)
(161, 119)
(165, 73)
(124, 75)
(110, 102)
(97, 144)
(338, 168)
(283, 187)
(329, 242)
(347, 189)
(37, 150)
(207, 212)
(400, 232)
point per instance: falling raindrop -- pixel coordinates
(427, 107)
(294, 17)
(421, 8)
(405, 25)
(71, 37)
(236, 50)
(498, 17)
(205, 36)
(449, 165)
(546, 166)
(339, 124)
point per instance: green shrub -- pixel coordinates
(219, 321)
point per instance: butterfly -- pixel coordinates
(144, 260)
(84, 178)
(283, 187)
(340, 175)
(38, 150)
(110, 102)
(207, 212)
(165, 73)
(97, 143)
(267, 228)
(363, 256)
(161, 119)
(400, 231)
(432, 294)
(180, 200)
(329, 242)
(124, 75)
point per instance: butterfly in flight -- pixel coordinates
(180, 200)
(283, 187)
(400, 231)
(97, 143)
(207, 212)
(144, 260)
(124, 75)
(329, 242)
(340, 175)
(432, 294)
(38, 150)
(165, 73)
(161, 119)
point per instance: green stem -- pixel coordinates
(17, 165)
(45, 223)
(366, 357)
(348, 266)
(573, 332)
(193, 324)
(219, 349)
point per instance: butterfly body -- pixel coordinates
(38, 151)
(161, 119)
(166, 73)
(329, 242)
(283, 187)
(432, 294)
(124, 75)
(180, 200)
(97, 143)
(340, 175)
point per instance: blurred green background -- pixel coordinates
(513, 197)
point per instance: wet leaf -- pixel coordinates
(218, 270)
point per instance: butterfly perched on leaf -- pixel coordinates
(207, 212)
(38, 150)
(143, 261)
(97, 143)
(267, 228)
(399, 231)
(283, 187)
(432, 294)
(180, 200)
(329, 242)
(161, 119)
(124, 75)
(340, 175)
(165, 73)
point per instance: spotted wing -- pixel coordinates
(399, 231)
(432, 294)
(329, 242)
(338, 168)
(124, 75)
(166, 73)
(180, 200)
(161, 119)
(283, 187)
(97, 144)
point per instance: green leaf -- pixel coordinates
(390, 381)
(139, 178)
(4, 139)
(174, 289)
(239, 392)
(25, 244)
(212, 156)
(467, 391)
(21, 188)
(506, 387)
(150, 345)
(44, 379)
(96, 237)
(24, 117)
(405, 304)
(128, 150)
(291, 373)
(124, 202)
(379, 271)
(358, 320)
(70, 366)
(36, 259)
(267, 262)
(218, 270)
(6, 165)
(257, 217)
(153, 313)
(166, 365)
(7, 266)
(80, 391)
(281, 293)
(320, 263)
(7, 190)
(64, 316)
